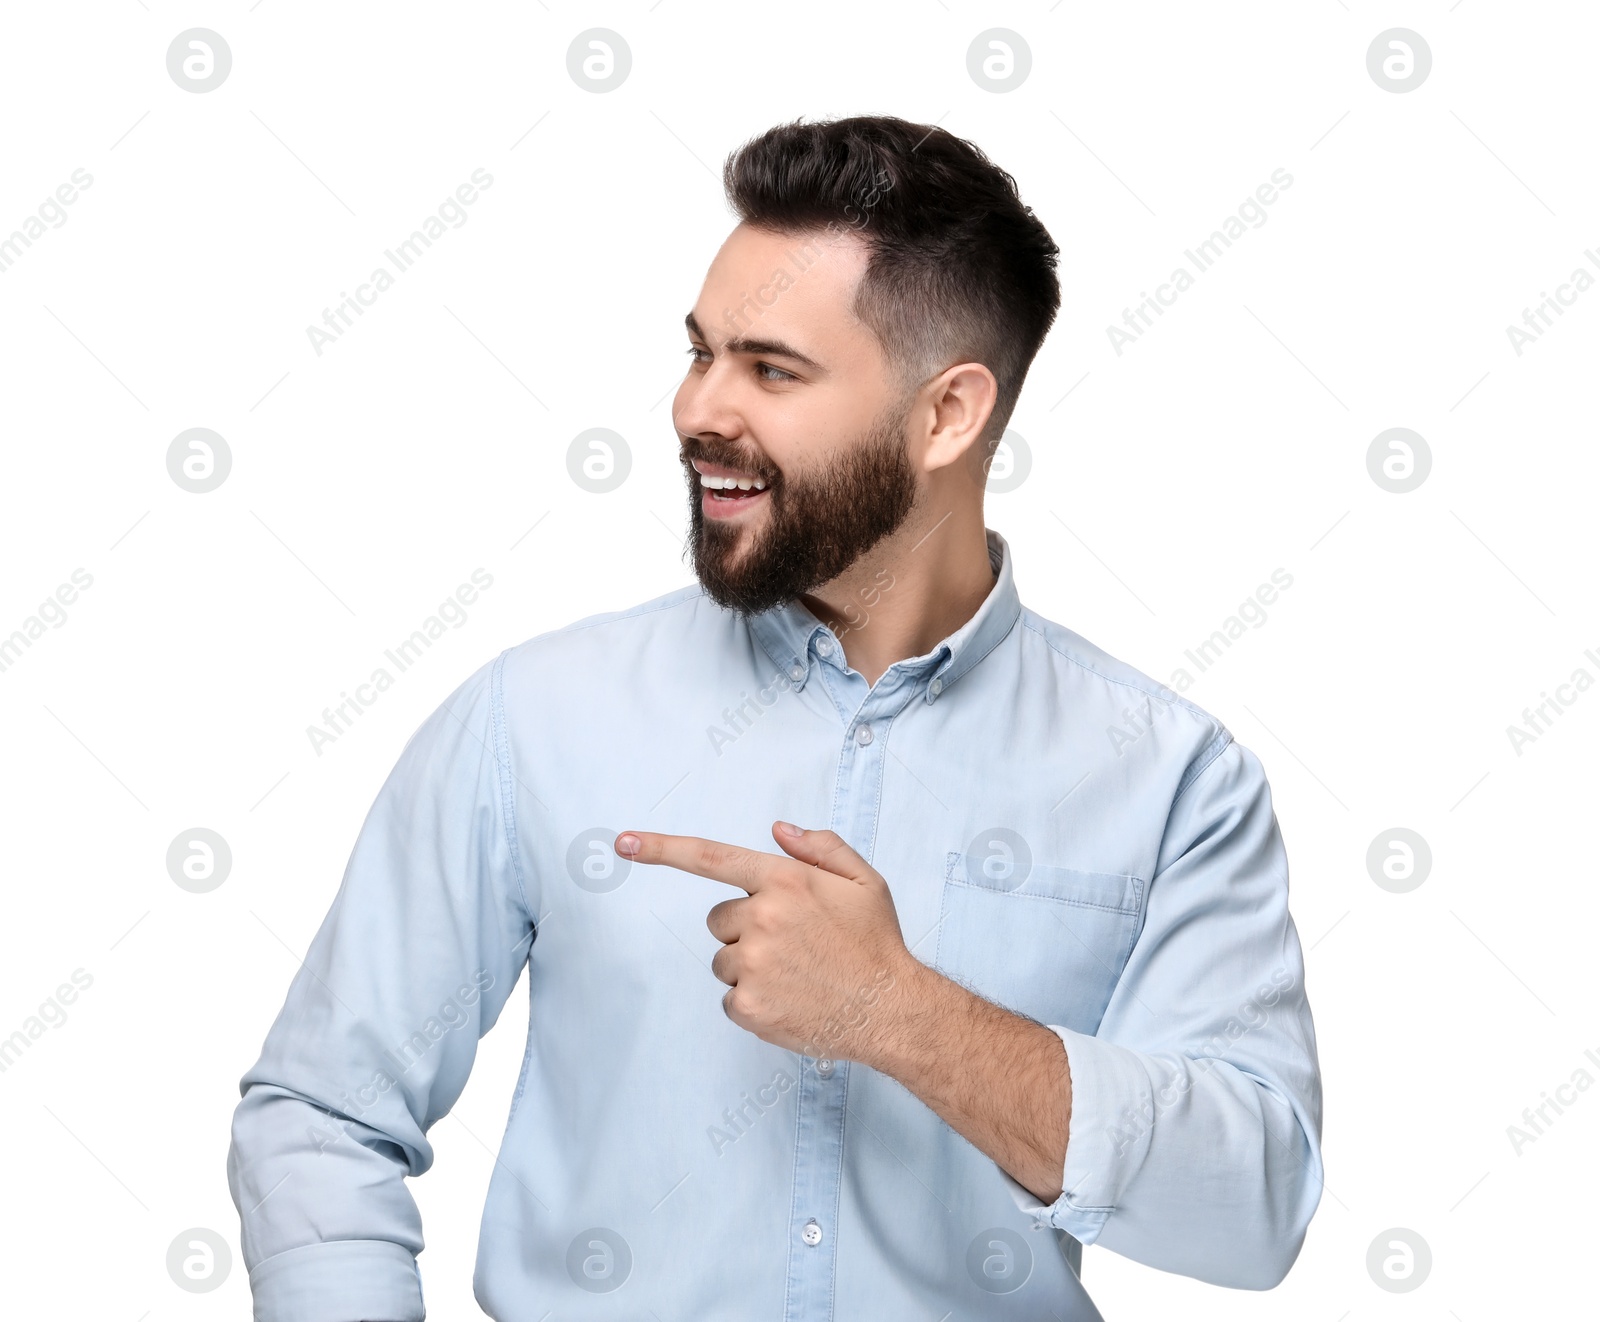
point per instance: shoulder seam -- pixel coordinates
(1209, 754)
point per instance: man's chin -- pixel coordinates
(730, 594)
(722, 579)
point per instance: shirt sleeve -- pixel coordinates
(413, 963)
(1194, 1139)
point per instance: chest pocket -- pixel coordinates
(1051, 947)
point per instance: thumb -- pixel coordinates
(823, 849)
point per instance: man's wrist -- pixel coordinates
(998, 1078)
(914, 1024)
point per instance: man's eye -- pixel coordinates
(766, 371)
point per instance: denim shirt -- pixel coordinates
(1061, 835)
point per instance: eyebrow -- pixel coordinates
(744, 344)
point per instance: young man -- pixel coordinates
(1023, 962)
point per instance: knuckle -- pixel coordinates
(719, 919)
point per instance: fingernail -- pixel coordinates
(789, 828)
(628, 844)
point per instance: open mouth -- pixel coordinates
(726, 490)
(731, 497)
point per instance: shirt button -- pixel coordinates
(825, 1068)
(936, 687)
(863, 734)
(797, 673)
(811, 1232)
(824, 647)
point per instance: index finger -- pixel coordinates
(747, 869)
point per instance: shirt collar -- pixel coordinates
(790, 634)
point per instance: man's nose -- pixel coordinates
(701, 407)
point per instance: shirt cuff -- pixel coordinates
(338, 1280)
(1105, 1142)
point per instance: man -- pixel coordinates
(1003, 925)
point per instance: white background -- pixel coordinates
(1167, 484)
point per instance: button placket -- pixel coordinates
(820, 1100)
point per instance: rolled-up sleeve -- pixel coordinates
(413, 963)
(1195, 1131)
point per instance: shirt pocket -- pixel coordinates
(1051, 947)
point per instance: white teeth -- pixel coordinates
(729, 483)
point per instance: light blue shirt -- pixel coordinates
(1060, 834)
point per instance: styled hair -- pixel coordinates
(959, 269)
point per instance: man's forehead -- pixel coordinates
(795, 286)
(843, 243)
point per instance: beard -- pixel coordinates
(818, 523)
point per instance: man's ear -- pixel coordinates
(960, 402)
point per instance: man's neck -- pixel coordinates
(912, 590)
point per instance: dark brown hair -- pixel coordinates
(960, 270)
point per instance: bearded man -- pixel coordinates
(870, 975)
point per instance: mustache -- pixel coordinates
(729, 458)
